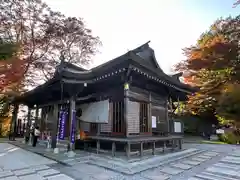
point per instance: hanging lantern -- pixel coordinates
(126, 86)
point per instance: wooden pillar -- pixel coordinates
(128, 149)
(54, 126)
(99, 125)
(164, 146)
(141, 149)
(150, 113)
(71, 120)
(180, 143)
(13, 127)
(167, 117)
(98, 146)
(126, 106)
(36, 116)
(113, 148)
(29, 122)
(153, 148)
(173, 144)
(42, 120)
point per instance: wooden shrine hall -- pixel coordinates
(121, 105)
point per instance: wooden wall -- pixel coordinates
(157, 105)
(107, 128)
(133, 118)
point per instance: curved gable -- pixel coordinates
(146, 53)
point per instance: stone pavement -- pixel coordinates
(18, 164)
(61, 158)
(195, 162)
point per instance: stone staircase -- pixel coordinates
(131, 168)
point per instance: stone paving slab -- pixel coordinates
(39, 168)
(231, 160)
(136, 167)
(60, 177)
(24, 172)
(199, 159)
(224, 171)
(48, 153)
(155, 175)
(204, 161)
(48, 172)
(204, 157)
(11, 178)
(194, 178)
(171, 171)
(214, 176)
(30, 174)
(211, 153)
(31, 177)
(219, 177)
(182, 166)
(237, 154)
(5, 174)
(107, 176)
(24, 158)
(191, 162)
(228, 166)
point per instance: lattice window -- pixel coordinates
(118, 117)
(93, 127)
(143, 123)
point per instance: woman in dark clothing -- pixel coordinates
(27, 135)
(36, 136)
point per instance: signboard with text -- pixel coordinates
(62, 125)
(73, 127)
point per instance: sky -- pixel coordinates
(122, 25)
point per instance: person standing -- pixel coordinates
(36, 136)
(32, 128)
(27, 134)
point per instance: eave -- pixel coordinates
(68, 73)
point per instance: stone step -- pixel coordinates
(228, 166)
(135, 167)
(211, 154)
(223, 172)
(231, 160)
(181, 166)
(211, 176)
(171, 170)
(194, 178)
(191, 162)
(155, 175)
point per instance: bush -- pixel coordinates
(222, 137)
(230, 137)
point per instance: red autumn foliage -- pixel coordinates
(11, 72)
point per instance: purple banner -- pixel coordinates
(62, 125)
(73, 128)
(59, 123)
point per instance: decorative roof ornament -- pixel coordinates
(62, 56)
(61, 66)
